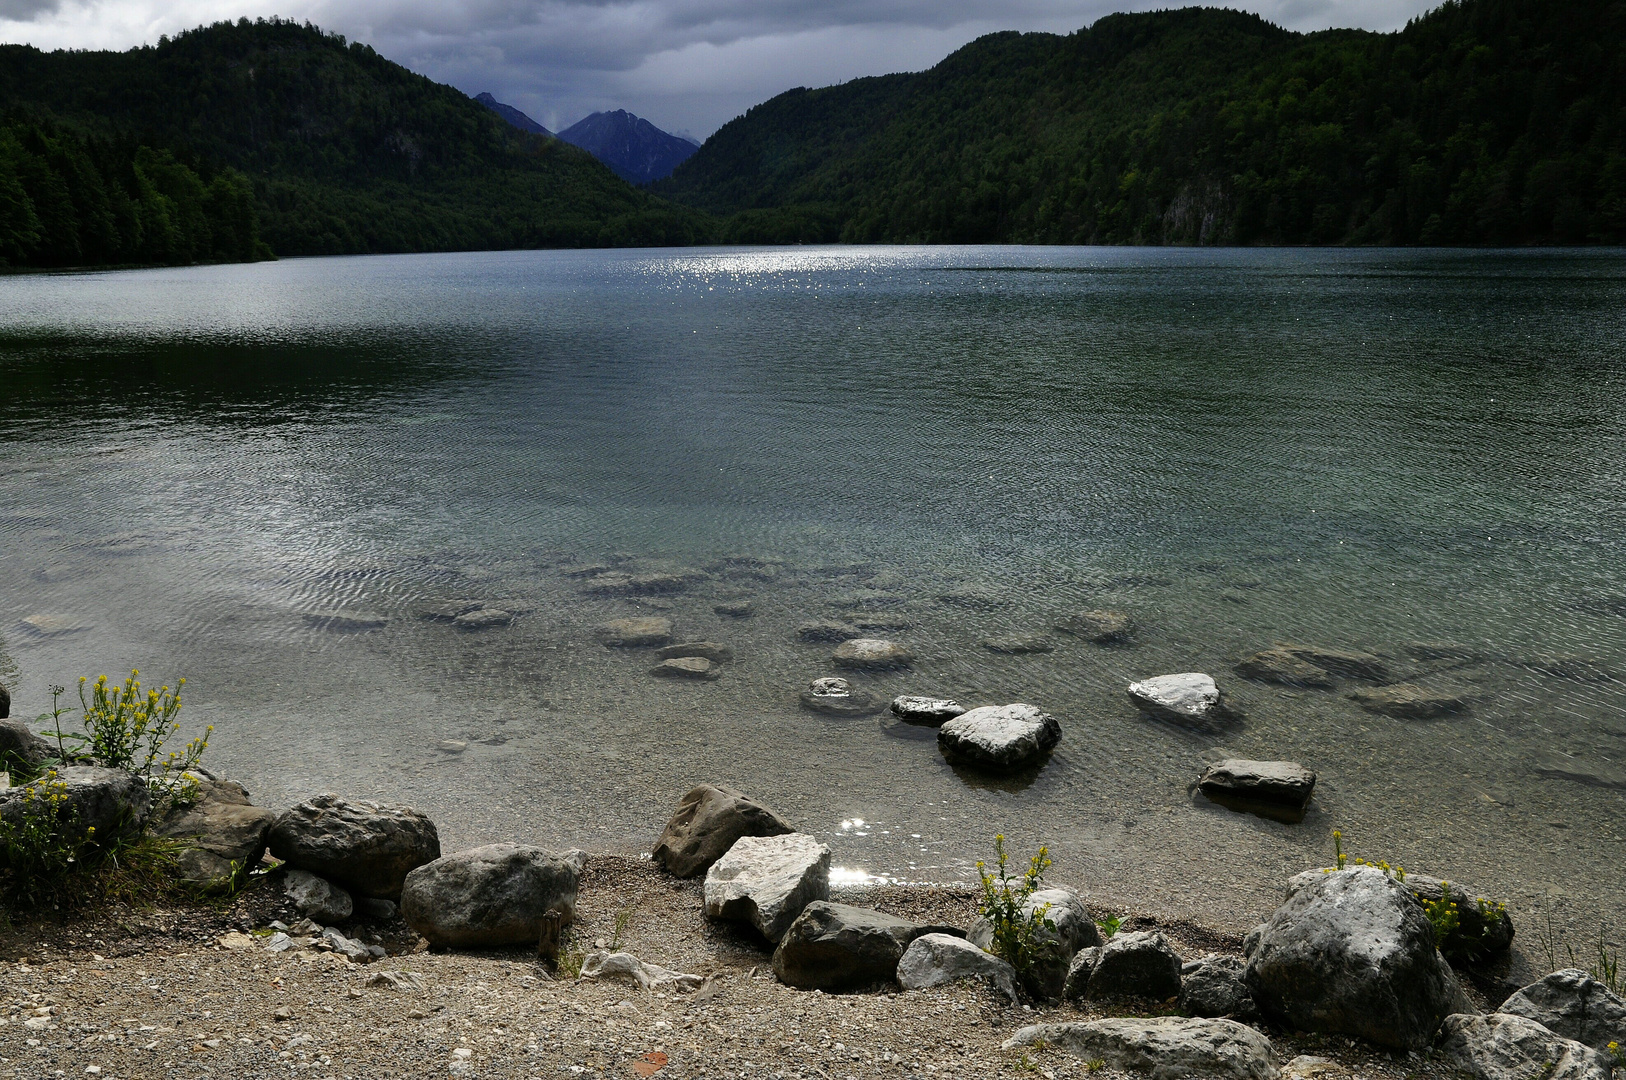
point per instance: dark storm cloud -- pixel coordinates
(24, 10)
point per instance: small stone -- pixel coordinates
(1019, 644)
(1099, 627)
(710, 650)
(317, 898)
(832, 695)
(827, 632)
(345, 622)
(1409, 701)
(735, 609)
(451, 746)
(483, 619)
(933, 712)
(871, 654)
(633, 633)
(374, 908)
(686, 667)
(1190, 699)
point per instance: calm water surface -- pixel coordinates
(1353, 449)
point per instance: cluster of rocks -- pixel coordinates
(1320, 668)
(702, 660)
(473, 615)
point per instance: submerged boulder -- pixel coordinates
(872, 654)
(1243, 784)
(687, 667)
(1409, 701)
(1284, 668)
(1190, 698)
(634, 633)
(707, 822)
(836, 696)
(1104, 627)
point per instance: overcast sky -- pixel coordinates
(687, 65)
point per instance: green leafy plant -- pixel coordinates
(623, 919)
(1109, 925)
(42, 843)
(1020, 935)
(126, 727)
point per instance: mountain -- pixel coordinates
(512, 115)
(637, 150)
(1481, 122)
(343, 151)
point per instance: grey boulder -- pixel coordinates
(491, 895)
(937, 959)
(366, 847)
(318, 899)
(933, 712)
(1243, 784)
(1574, 1005)
(1502, 1046)
(766, 881)
(1190, 698)
(20, 746)
(841, 947)
(687, 667)
(872, 654)
(224, 833)
(999, 738)
(707, 822)
(1135, 965)
(1214, 986)
(1345, 662)
(1353, 952)
(111, 801)
(1166, 1047)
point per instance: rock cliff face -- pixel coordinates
(633, 148)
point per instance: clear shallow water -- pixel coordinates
(1351, 449)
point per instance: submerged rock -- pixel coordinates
(1167, 1047)
(827, 631)
(633, 633)
(1592, 772)
(872, 654)
(686, 667)
(709, 650)
(1349, 664)
(734, 609)
(1274, 788)
(766, 881)
(447, 610)
(1190, 698)
(1409, 701)
(999, 738)
(53, 625)
(1284, 668)
(1103, 627)
(483, 619)
(1019, 644)
(709, 819)
(836, 696)
(933, 712)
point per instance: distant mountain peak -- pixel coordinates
(511, 114)
(636, 150)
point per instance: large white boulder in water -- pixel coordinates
(1000, 738)
(1190, 698)
(767, 881)
(1167, 1047)
(1353, 952)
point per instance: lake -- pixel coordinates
(261, 476)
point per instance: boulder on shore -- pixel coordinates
(999, 738)
(113, 802)
(226, 834)
(1574, 1005)
(20, 746)
(1214, 986)
(1502, 1046)
(1135, 964)
(367, 847)
(1190, 698)
(707, 822)
(1353, 953)
(491, 895)
(766, 881)
(1243, 784)
(1167, 1047)
(5, 702)
(841, 947)
(318, 899)
(933, 712)
(872, 654)
(1072, 930)
(936, 959)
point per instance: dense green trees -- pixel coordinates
(1483, 122)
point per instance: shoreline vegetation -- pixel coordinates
(154, 915)
(1481, 123)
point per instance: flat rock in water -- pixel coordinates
(1353, 952)
(1214, 986)
(872, 654)
(827, 631)
(1350, 664)
(1592, 772)
(366, 847)
(1243, 784)
(1284, 668)
(53, 625)
(1019, 644)
(317, 898)
(1502, 1046)
(708, 820)
(224, 834)
(634, 633)
(1167, 1047)
(686, 667)
(345, 622)
(447, 610)
(1100, 627)
(938, 959)
(1574, 668)
(1135, 965)
(491, 895)
(1574, 1005)
(766, 881)
(836, 696)
(841, 947)
(934, 712)
(1190, 698)
(1409, 701)
(710, 650)
(483, 619)
(999, 738)
(734, 609)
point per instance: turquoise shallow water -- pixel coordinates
(1357, 449)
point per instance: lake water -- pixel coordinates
(1352, 449)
